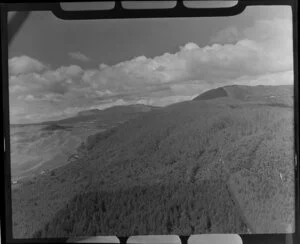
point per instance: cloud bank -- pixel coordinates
(259, 54)
(23, 65)
(79, 56)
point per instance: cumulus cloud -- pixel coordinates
(265, 47)
(63, 73)
(102, 66)
(189, 46)
(38, 83)
(24, 65)
(79, 56)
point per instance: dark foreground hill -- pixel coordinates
(221, 165)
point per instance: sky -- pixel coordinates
(60, 67)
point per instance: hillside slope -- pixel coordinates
(172, 170)
(212, 94)
(271, 95)
(44, 146)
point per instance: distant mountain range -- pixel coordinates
(267, 94)
(181, 166)
(112, 113)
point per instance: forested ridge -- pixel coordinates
(173, 170)
(166, 209)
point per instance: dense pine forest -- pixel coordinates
(203, 166)
(166, 209)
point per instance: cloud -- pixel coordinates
(227, 35)
(277, 29)
(24, 65)
(63, 73)
(102, 66)
(264, 47)
(270, 79)
(189, 46)
(79, 56)
(17, 88)
(37, 84)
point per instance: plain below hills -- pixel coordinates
(36, 148)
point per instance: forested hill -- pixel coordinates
(276, 95)
(36, 148)
(178, 169)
